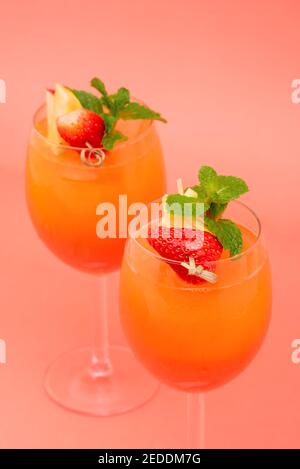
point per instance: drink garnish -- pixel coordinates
(190, 248)
(198, 247)
(92, 156)
(81, 127)
(81, 119)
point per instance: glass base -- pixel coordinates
(70, 383)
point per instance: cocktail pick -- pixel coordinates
(92, 156)
(199, 271)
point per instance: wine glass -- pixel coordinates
(64, 193)
(196, 337)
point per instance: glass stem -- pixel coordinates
(195, 420)
(100, 361)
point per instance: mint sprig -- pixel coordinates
(112, 107)
(215, 192)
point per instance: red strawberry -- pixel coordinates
(187, 245)
(80, 127)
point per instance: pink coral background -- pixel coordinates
(221, 72)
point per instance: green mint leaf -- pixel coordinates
(139, 111)
(228, 188)
(88, 100)
(120, 99)
(109, 122)
(111, 138)
(208, 179)
(99, 85)
(184, 205)
(216, 210)
(202, 195)
(207, 175)
(221, 189)
(228, 233)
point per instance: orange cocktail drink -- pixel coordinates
(90, 153)
(197, 337)
(63, 194)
